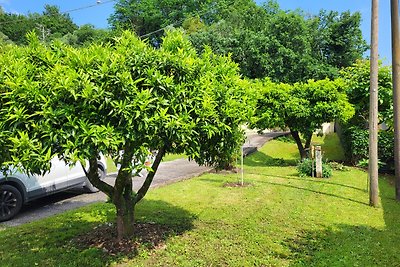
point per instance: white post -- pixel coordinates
(318, 162)
(312, 148)
(241, 158)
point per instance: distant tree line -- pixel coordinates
(266, 41)
(51, 24)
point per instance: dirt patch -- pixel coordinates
(104, 237)
(237, 184)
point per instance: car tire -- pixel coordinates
(10, 202)
(88, 185)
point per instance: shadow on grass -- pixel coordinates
(351, 245)
(260, 159)
(314, 191)
(308, 179)
(49, 242)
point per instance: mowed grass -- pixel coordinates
(279, 220)
(330, 145)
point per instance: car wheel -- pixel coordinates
(88, 185)
(10, 202)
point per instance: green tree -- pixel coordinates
(87, 34)
(357, 82)
(4, 39)
(146, 16)
(15, 27)
(49, 25)
(302, 107)
(337, 38)
(57, 24)
(286, 46)
(79, 102)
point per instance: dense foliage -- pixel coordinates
(302, 107)
(356, 143)
(51, 24)
(147, 16)
(286, 46)
(130, 97)
(307, 168)
(354, 133)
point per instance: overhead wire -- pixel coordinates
(98, 3)
(109, 1)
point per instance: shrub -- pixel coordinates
(305, 168)
(356, 141)
(337, 166)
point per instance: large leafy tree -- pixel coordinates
(146, 16)
(124, 100)
(87, 34)
(357, 82)
(302, 107)
(49, 25)
(337, 37)
(15, 27)
(354, 133)
(286, 46)
(56, 23)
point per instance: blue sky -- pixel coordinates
(98, 14)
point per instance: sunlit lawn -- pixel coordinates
(280, 220)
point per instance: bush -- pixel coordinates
(305, 168)
(337, 166)
(356, 141)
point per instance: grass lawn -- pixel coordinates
(330, 145)
(171, 157)
(280, 220)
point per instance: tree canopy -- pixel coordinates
(357, 82)
(128, 96)
(286, 46)
(49, 25)
(302, 107)
(147, 16)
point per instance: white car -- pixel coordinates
(18, 188)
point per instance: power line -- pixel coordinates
(98, 3)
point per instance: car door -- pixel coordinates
(76, 175)
(53, 180)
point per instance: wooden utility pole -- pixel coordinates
(394, 4)
(373, 108)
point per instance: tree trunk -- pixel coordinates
(123, 197)
(300, 147)
(125, 207)
(308, 141)
(149, 178)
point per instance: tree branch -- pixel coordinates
(94, 178)
(300, 147)
(149, 178)
(124, 175)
